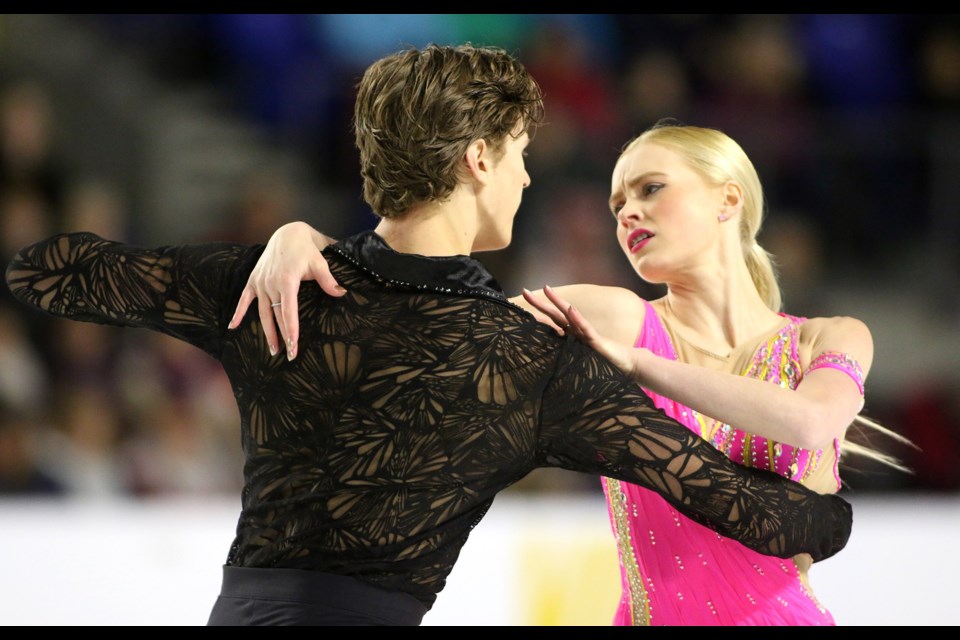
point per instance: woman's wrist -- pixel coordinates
(320, 240)
(640, 363)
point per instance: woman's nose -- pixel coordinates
(629, 213)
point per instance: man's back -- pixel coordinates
(382, 445)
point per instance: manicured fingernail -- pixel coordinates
(273, 350)
(291, 353)
(340, 289)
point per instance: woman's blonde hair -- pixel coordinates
(717, 158)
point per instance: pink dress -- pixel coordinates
(677, 572)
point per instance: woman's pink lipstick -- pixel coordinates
(635, 244)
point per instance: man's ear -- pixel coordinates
(477, 160)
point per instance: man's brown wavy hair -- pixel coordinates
(418, 110)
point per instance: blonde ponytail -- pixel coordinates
(861, 429)
(764, 275)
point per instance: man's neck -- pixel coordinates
(430, 230)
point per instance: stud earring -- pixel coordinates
(722, 218)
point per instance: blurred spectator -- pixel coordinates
(170, 454)
(98, 206)
(267, 200)
(797, 249)
(27, 143)
(20, 473)
(755, 92)
(82, 448)
(154, 365)
(24, 383)
(577, 83)
(655, 85)
(83, 353)
(26, 215)
(939, 65)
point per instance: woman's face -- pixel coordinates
(666, 212)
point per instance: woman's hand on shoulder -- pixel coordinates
(613, 312)
(291, 256)
(563, 314)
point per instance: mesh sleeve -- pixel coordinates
(596, 420)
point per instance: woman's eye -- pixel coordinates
(615, 209)
(651, 188)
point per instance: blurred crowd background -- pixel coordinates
(176, 128)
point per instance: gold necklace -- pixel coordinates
(706, 352)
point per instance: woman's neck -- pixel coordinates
(721, 310)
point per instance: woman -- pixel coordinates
(688, 205)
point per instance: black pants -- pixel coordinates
(289, 597)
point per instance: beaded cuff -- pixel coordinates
(840, 362)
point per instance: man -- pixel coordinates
(420, 391)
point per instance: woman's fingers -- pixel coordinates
(550, 310)
(289, 318)
(268, 322)
(580, 324)
(559, 302)
(576, 324)
(321, 273)
(246, 298)
(547, 320)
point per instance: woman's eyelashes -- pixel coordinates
(651, 187)
(646, 191)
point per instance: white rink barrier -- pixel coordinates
(532, 561)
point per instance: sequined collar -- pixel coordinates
(455, 275)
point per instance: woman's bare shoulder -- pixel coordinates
(844, 334)
(615, 312)
(836, 326)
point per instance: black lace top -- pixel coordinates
(414, 400)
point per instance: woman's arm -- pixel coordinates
(294, 254)
(820, 409)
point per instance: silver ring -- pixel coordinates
(276, 304)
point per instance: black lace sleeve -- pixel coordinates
(181, 291)
(595, 419)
